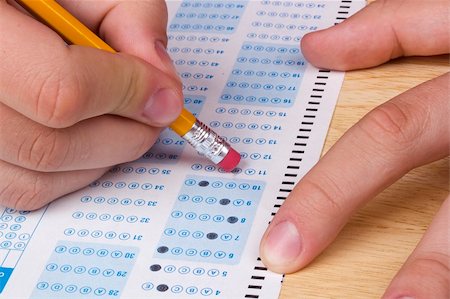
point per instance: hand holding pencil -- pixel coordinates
(68, 113)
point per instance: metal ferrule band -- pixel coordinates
(207, 142)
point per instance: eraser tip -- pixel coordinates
(230, 161)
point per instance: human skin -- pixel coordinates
(68, 113)
(407, 131)
(63, 107)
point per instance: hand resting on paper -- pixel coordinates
(407, 131)
(68, 113)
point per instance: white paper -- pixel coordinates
(171, 225)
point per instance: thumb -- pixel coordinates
(381, 31)
(59, 85)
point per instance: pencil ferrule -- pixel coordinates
(207, 142)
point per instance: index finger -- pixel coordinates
(383, 30)
(406, 132)
(133, 27)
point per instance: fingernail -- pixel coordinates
(282, 245)
(163, 107)
(165, 58)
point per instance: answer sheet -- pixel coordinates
(171, 224)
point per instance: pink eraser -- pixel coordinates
(230, 161)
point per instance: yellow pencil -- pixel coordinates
(202, 138)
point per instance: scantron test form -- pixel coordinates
(172, 225)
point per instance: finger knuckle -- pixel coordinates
(435, 264)
(59, 97)
(397, 125)
(324, 197)
(48, 151)
(28, 191)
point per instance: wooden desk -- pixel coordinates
(378, 239)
